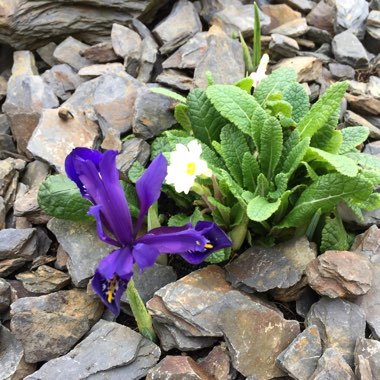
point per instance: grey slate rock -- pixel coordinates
(111, 351)
(18, 243)
(352, 15)
(283, 46)
(5, 295)
(341, 72)
(168, 32)
(367, 359)
(100, 53)
(348, 49)
(76, 238)
(332, 366)
(299, 360)
(318, 35)
(46, 53)
(303, 6)
(175, 79)
(153, 114)
(294, 28)
(340, 324)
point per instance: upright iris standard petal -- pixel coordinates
(145, 255)
(148, 187)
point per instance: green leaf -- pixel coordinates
(246, 56)
(325, 193)
(256, 36)
(60, 197)
(233, 187)
(372, 203)
(322, 110)
(135, 171)
(280, 107)
(277, 81)
(180, 220)
(259, 209)
(342, 164)
(262, 187)
(168, 93)
(334, 235)
(182, 116)
(271, 146)
(234, 146)
(221, 213)
(251, 170)
(281, 180)
(295, 157)
(352, 137)
(367, 161)
(372, 176)
(131, 195)
(310, 171)
(234, 104)
(245, 84)
(258, 119)
(205, 120)
(237, 214)
(219, 256)
(214, 162)
(296, 95)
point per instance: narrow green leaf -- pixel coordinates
(352, 137)
(256, 36)
(325, 193)
(259, 209)
(251, 170)
(135, 172)
(281, 180)
(60, 197)
(313, 225)
(279, 107)
(234, 104)
(295, 157)
(221, 214)
(296, 95)
(233, 187)
(321, 111)
(271, 146)
(246, 56)
(262, 187)
(168, 93)
(182, 117)
(259, 117)
(131, 195)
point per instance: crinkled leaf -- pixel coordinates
(258, 119)
(342, 164)
(245, 84)
(296, 95)
(135, 172)
(251, 170)
(322, 110)
(182, 116)
(221, 213)
(325, 193)
(131, 195)
(262, 187)
(60, 197)
(234, 104)
(233, 187)
(205, 120)
(179, 220)
(295, 157)
(365, 160)
(260, 209)
(279, 107)
(168, 93)
(334, 235)
(352, 137)
(271, 146)
(372, 176)
(234, 145)
(281, 181)
(219, 256)
(372, 203)
(278, 80)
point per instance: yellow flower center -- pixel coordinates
(191, 168)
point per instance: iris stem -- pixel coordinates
(143, 318)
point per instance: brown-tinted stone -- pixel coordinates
(100, 53)
(322, 16)
(364, 104)
(177, 367)
(367, 359)
(101, 69)
(340, 274)
(217, 364)
(353, 119)
(279, 14)
(49, 326)
(294, 28)
(307, 68)
(175, 79)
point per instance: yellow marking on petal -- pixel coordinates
(191, 168)
(209, 246)
(111, 289)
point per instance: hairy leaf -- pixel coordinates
(322, 110)
(182, 116)
(296, 95)
(168, 93)
(245, 84)
(365, 160)
(334, 235)
(279, 107)
(258, 119)
(262, 187)
(251, 170)
(219, 256)
(295, 157)
(352, 137)
(260, 209)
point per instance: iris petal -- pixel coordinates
(145, 255)
(118, 262)
(148, 187)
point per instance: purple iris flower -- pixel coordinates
(97, 178)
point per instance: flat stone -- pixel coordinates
(9, 266)
(99, 356)
(44, 280)
(317, 35)
(61, 259)
(149, 51)
(340, 324)
(332, 366)
(27, 96)
(49, 326)
(235, 19)
(353, 119)
(54, 138)
(368, 245)
(365, 104)
(3, 87)
(367, 359)
(189, 54)
(340, 274)
(62, 79)
(100, 53)
(300, 359)
(308, 69)
(169, 34)
(42, 260)
(301, 5)
(127, 44)
(5, 295)
(373, 87)
(352, 15)
(341, 72)
(68, 51)
(217, 364)
(46, 53)
(19, 244)
(12, 363)
(153, 114)
(279, 14)
(24, 63)
(260, 269)
(75, 238)
(175, 79)
(132, 150)
(177, 367)
(255, 335)
(372, 148)
(114, 100)
(294, 28)
(101, 69)
(348, 49)
(283, 46)
(209, 8)
(323, 16)
(223, 58)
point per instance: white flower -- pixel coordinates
(185, 165)
(259, 75)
